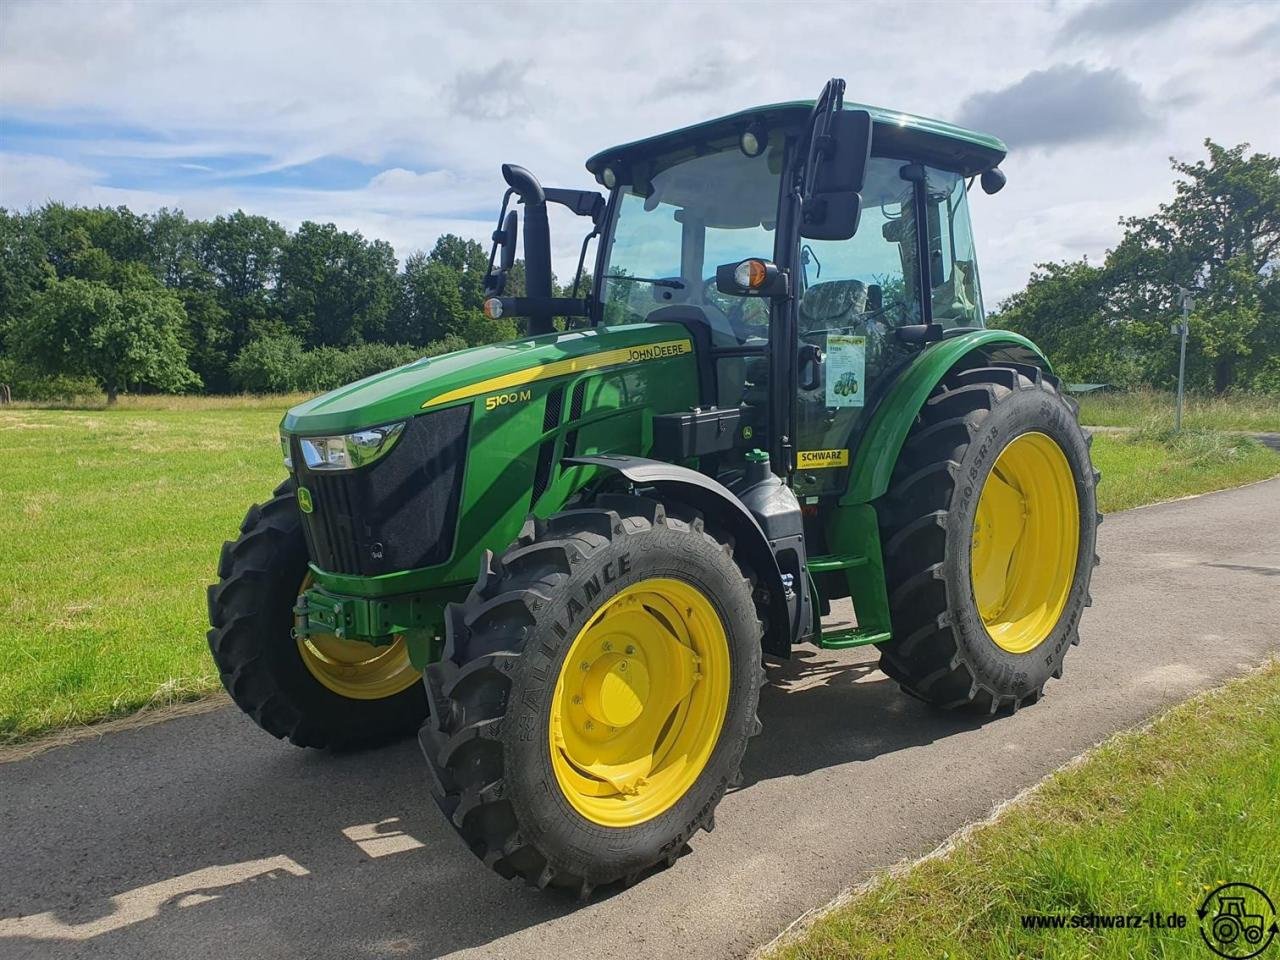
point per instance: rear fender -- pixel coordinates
(853, 528)
(715, 500)
(877, 451)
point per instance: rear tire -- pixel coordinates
(944, 651)
(497, 695)
(261, 666)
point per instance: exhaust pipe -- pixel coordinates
(537, 243)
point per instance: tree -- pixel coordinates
(429, 302)
(119, 337)
(336, 288)
(469, 261)
(1219, 237)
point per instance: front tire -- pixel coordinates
(596, 693)
(989, 533)
(319, 693)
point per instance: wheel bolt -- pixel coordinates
(630, 650)
(586, 664)
(589, 725)
(608, 645)
(577, 699)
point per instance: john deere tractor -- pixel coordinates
(563, 559)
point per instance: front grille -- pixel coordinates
(398, 513)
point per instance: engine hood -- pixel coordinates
(452, 378)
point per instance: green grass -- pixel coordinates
(1141, 408)
(1146, 823)
(1149, 466)
(111, 522)
(110, 526)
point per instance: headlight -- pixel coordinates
(350, 450)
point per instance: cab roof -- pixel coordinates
(935, 142)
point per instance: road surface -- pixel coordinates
(203, 837)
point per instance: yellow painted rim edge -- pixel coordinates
(1026, 542)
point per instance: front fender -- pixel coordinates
(881, 442)
(716, 500)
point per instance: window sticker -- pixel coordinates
(846, 370)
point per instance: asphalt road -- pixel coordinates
(202, 837)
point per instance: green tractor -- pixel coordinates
(586, 540)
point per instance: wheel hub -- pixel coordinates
(616, 689)
(639, 702)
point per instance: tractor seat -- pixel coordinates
(836, 303)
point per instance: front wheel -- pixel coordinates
(320, 691)
(596, 693)
(989, 534)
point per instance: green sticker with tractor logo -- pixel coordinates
(304, 500)
(846, 370)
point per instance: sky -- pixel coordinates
(393, 118)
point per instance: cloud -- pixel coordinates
(393, 118)
(492, 93)
(1265, 38)
(1065, 104)
(1110, 18)
(697, 78)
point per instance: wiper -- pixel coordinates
(656, 281)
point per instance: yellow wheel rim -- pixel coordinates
(639, 703)
(354, 669)
(1026, 536)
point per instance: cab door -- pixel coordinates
(853, 294)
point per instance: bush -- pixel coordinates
(268, 365)
(279, 364)
(26, 384)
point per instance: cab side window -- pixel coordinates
(953, 264)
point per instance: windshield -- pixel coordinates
(670, 234)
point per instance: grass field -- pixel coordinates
(111, 522)
(1151, 465)
(1154, 408)
(1150, 822)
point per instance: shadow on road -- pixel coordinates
(262, 847)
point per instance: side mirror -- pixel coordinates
(508, 240)
(833, 202)
(812, 363)
(496, 281)
(751, 278)
(992, 180)
(830, 216)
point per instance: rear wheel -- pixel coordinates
(320, 691)
(596, 694)
(989, 534)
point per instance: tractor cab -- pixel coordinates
(826, 199)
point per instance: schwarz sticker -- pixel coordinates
(820, 459)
